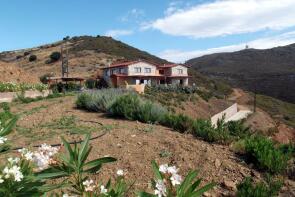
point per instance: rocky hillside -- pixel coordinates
(86, 55)
(271, 71)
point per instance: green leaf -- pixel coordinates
(8, 127)
(187, 182)
(156, 170)
(84, 148)
(202, 190)
(145, 194)
(68, 148)
(94, 164)
(51, 173)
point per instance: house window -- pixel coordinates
(121, 70)
(137, 70)
(147, 70)
(180, 71)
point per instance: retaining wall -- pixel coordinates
(229, 112)
(9, 96)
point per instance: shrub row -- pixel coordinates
(98, 100)
(174, 88)
(131, 106)
(16, 87)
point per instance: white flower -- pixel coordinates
(103, 190)
(65, 195)
(172, 170)
(1, 180)
(13, 171)
(89, 186)
(160, 188)
(42, 157)
(175, 179)
(163, 168)
(13, 160)
(120, 172)
(2, 139)
(28, 155)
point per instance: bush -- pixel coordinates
(91, 83)
(248, 189)
(99, 100)
(179, 122)
(265, 155)
(44, 77)
(126, 107)
(55, 56)
(32, 58)
(174, 88)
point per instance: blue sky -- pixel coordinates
(172, 29)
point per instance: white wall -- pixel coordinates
(229, 112)
(142, 65)
(174, 70)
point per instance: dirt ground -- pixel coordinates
(262, 121)
(134, 144)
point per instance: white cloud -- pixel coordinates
(133, 15)
(263, 43)
(226, 17)
(118, 32)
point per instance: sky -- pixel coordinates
(176, 30)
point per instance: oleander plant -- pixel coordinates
(169, 183)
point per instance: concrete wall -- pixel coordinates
(142, 65)
(9, 96)
(229, 112)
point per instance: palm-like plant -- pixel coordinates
(168, 183)
(74, 166)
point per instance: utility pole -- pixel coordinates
(64, 60)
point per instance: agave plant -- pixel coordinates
(74, 166)
(169, 183)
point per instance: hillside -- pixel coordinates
(86, 55)
(271, 70)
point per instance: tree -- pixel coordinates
(32, 58)
(55, 56)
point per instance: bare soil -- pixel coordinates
(135, 145)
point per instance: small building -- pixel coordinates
(142, 72)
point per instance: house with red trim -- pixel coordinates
(143, 72)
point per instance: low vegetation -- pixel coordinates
(265, 154)
(32, 58)
(269, 188)
(278, 109)
(70, 173)
(19, 87)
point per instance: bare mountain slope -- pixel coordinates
(271, 70)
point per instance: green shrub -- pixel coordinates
(178, 122)
(55, 56)
(237, 128)
(248, 189)
(150, 112)
(265, 155)
(99, 100)
(204, 129)
(126, 106)
(32, 58)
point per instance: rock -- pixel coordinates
(217, 163)
(229, 185)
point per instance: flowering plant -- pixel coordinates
(16, 87)
(74, 168)
(169, 183)
(6, 127)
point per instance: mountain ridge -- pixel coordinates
(269, 71)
